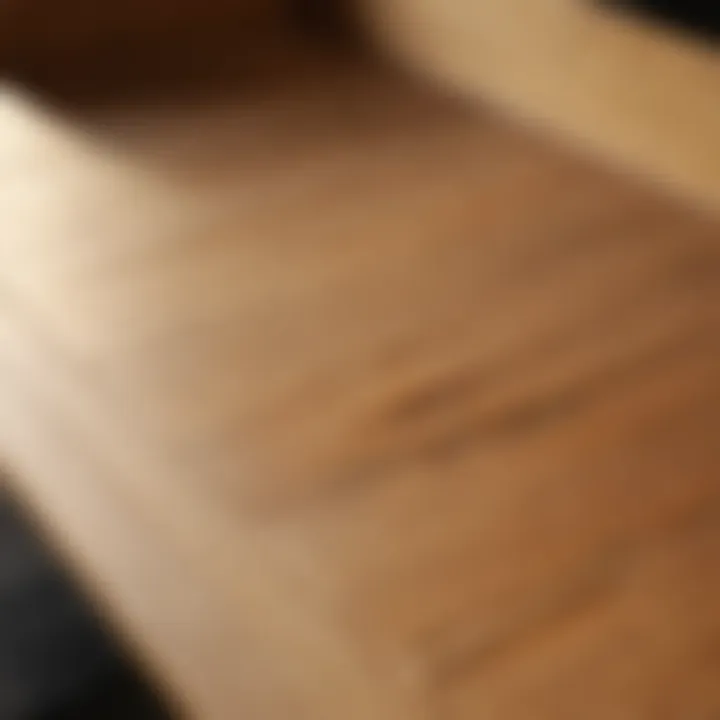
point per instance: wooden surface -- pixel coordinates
(349, 402)
(642, 93)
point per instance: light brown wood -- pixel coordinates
(646, 95)
(350, 402)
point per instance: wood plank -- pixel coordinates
(351, 401)
(638, 92)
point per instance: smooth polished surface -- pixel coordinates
(352, 403)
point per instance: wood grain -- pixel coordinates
(641, 93)
(349, 401)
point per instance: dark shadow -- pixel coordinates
(57, 660)
(144, 63)
(695, 15)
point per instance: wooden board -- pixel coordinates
(350, 402)
(643, 94)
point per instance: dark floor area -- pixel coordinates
(57, 662)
